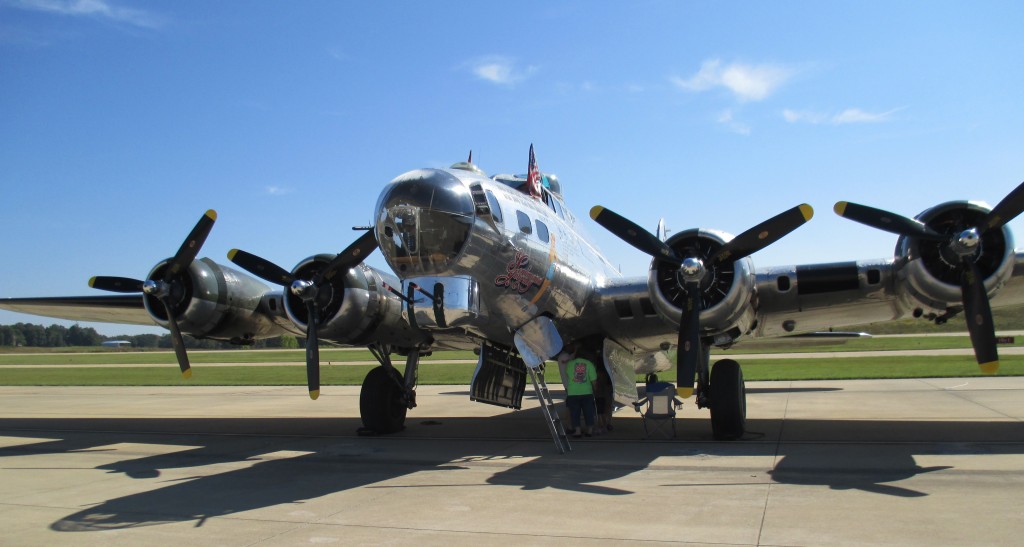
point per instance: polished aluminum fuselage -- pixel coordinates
(505, 273)
(502, 276)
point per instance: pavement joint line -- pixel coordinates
(959, 394)
(775, 463)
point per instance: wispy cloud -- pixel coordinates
(727, 118)
(848, 116)
(747, 82)
(278, 190)
(500, 70)
(100, 9)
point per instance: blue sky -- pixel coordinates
(122, 121)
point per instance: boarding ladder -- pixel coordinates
(547, 406)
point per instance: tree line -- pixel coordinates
(59, 336)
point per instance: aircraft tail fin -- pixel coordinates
(660, 230)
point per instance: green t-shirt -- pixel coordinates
(581, 373)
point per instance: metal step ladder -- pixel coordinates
(547, 406)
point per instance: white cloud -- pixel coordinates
(848, 116)
(727, 119)
(500, 70)
(278, 190)
(805, 116)
(91, 8)
(746, 82)
(856, 115)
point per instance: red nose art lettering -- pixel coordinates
(519, 278)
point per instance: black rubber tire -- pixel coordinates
(380, 404)
(728, 401)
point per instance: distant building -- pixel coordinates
(116, 344)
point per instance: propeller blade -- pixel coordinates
(177, 341)
(190, 248)
(763, 235)
(312, 350)
(350, 257)
(978, 315)
(689, 350)
(1006, 210)
(116, 284)
(633, 234)
(886, 221)
(261, 267)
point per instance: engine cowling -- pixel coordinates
(929, 273)
(217, 302)
(727, 290)
(355, 307)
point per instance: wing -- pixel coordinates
(126, 309)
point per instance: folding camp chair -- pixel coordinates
(661, 410)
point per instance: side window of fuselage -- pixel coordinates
(542, 232)
(525, 226)
(492, 202)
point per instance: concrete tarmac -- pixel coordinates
(887, 462)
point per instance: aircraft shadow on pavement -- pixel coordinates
(842, 454)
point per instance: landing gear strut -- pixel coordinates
(386, 394)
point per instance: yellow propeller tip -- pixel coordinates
(186, 374)
(991, 367)
(92, 281)
(840, 207)
(807, 211)
(596, 211)
(232, 253)
(685, 392)
(314, 394)
(211, 214)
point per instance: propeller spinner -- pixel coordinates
(308, 290)
(163, 287)
(694, 269)
(964, 246)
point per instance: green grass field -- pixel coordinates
(114, 368)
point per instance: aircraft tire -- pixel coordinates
(380, 405)
(728, 396)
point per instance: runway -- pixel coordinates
(895, 462)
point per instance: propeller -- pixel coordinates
(308, 290)
(964, 245)
(163, 288)
(693, 269)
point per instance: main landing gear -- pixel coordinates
(721, 389)
(387, 394)
(727, 397)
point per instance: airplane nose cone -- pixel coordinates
(428, 189)
(424, 218)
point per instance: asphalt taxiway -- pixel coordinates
(897, 462)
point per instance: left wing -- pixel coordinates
(126, 309)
